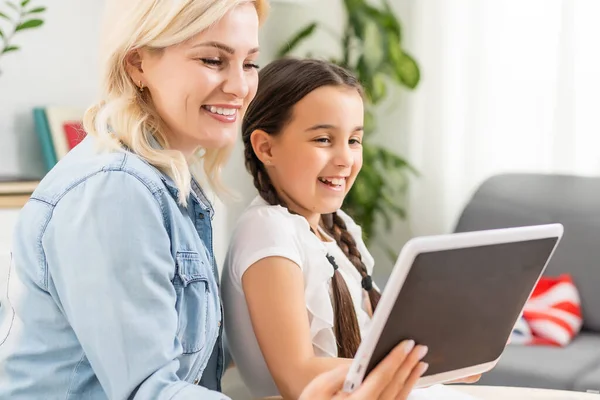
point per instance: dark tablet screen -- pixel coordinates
(462, 303)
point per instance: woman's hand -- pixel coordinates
(394, 378)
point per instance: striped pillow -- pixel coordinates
(552, 315)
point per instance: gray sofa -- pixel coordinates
(525, 199)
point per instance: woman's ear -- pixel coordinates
(262, 144)
(133, 65)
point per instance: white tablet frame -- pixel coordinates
(403, 265)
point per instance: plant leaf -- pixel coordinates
(403, 67)
(394, 161)
(10, 48)
(296, 40)
(391, 20)
(32, 23)
(373, 46)
(36, 10)
(353, 4)
(1, 34)
(392, 205)
(13, 6)
(378, 88)
(394, 50)
(356, 22)
(365, 77)
(386, 20)
(6, 17)
(24, 3)
(407, 71)
(370, 122)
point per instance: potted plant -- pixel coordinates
(372, 50)
(15, 17)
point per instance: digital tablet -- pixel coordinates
(459, 294)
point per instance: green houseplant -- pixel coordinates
(371, 48)
(15, 17)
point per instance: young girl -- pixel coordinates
(112, 292)
(297, 287)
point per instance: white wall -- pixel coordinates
(56, 66)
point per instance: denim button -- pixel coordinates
(196, 381)
(201, 216)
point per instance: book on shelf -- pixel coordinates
(58, 129)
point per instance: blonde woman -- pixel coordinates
(113, 289)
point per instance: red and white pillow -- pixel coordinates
(552, 315)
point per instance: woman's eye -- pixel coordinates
(251, 66)
(214, 62)
(211, 61)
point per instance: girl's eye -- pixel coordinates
(355, 141)
(323, 140)
(211, 61)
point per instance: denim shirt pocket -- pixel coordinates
(192, 288)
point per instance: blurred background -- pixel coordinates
(502, 86)
(459, 91)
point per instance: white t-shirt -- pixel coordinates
(263, 231)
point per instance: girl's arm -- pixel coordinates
(274, 290)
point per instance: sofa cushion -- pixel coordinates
(526, 199)
(590, 380)
(546, 366)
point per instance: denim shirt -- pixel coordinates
(112, 289)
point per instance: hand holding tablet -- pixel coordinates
(393, 378)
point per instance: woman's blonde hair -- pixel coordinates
(123, 115)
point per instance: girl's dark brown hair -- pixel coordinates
(282, 84)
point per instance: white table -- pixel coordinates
(513, 393)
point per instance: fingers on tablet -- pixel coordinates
(384, 372)
(406, 375)
(407, 346)
(410, 364)
(416, 373)
(396, 374)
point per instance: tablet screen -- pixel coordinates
(463, 303)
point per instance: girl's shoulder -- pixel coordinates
(259, 213)
(264, 230)
(261, 224)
